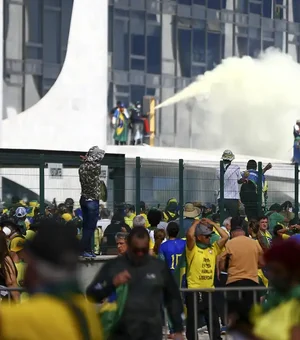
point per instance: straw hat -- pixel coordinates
(191, 211)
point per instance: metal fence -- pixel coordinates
(34, 176)
(218, 299)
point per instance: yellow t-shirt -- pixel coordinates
(129, 220)
(67, 217)
(29, 234)
(201, 266)
(21, 267)
(151, 244)
(47, 318)
(146, 219)
(278, 322)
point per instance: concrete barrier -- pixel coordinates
(88, 268)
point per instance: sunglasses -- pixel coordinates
(207, 236)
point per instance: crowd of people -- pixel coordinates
(158, 252)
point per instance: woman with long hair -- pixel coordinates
(8, 271)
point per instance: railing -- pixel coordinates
(42, 177)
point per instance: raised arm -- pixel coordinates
(190, 235)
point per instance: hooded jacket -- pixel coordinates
(150, 284)
(89, 174)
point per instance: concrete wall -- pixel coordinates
(87, 269)
(77, 101)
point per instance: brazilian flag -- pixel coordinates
(112, 309)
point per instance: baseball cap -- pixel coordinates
(17, 244)
(203, 230)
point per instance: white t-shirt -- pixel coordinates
(231, 186)
(103, 223)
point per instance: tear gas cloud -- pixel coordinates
(245, 104)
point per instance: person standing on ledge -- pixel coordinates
(92, 190)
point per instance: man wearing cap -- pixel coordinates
(241, 260)
(201, 261)
(57, 309)
(92, 188)
(232, 177)
(190, 212)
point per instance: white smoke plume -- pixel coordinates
(245, 104)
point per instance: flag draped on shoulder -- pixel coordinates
(112, 309)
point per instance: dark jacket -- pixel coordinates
(149, 283)
(89, 175)
(108, 245)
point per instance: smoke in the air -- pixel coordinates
(245, 104)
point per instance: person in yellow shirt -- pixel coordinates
(51, 280)
(16, 251)
(278, 317)
(129, 215)
(201, 258)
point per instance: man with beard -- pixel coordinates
(148, 280)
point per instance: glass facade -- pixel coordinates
(156, 48)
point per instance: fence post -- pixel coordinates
(296, 190)
(181, 193)
(259, 189)
(137, 185)
(221, 202)
(42, 183)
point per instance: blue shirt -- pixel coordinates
(170, 251)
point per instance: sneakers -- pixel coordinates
(223, 330)
(87, 254)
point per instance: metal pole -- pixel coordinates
(210, 312)
(137, 184)
(259, 189)
(181, 193)
(195, 305)
(42, 183)
(221, 203)
(296, 190)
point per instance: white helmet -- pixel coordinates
(20, 212)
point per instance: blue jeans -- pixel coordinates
(90, 216)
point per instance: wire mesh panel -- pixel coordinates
(280, 186)
(19, 184)
(159, 182)
(61, 183)
(130, 182)
(201, 183)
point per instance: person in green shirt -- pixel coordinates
(274, 217)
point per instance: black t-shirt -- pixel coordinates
(109, 241)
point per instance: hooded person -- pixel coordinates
(92, 190)
(171, 211)
(51, 280)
